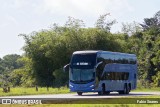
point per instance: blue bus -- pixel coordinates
(102, 72)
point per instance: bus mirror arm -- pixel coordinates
(98, 64)
(66, 68)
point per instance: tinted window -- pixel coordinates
(132, 60)
(106, 58)
(83, 61)
(115, 76)
(81, 75)
(117, 58)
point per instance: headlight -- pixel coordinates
(70, 85)
(91, 86)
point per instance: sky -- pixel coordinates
(25, 16)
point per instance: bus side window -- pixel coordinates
(99, 70)
(134, 62)
(103, 77)
(135, 76)
(99, 59)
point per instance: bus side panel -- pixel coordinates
(113, 85)
(116, 85)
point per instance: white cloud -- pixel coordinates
(8, 19)
(87, 7)
(13, 3)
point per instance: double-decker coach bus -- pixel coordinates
(102, 72)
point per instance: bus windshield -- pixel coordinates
(83, 61)
(81, 75)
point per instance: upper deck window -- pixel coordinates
(83, 61)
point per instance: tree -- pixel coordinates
(131, 28)
(152, 23)
(7, 65)
(23, 76)
(101, 24)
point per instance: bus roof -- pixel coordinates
(101, 52)
(119, 53)
(85, 52)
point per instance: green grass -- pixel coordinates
(147, 89)
(32, 91)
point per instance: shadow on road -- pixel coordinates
(116, 94)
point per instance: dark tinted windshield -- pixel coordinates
(83, 61)
(81, 75)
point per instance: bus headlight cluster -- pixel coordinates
(92, 86)
(70, 85)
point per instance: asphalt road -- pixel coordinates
(87, 95)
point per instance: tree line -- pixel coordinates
(47, 51)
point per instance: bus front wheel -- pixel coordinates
(103, 92)
(79, 93)
(99, 93)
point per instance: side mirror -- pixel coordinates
(66, 68)
(98, 64)
(98, 71)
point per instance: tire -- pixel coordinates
(128, 89)
(107, 92)
(99, 93)
(125, 90)
(79, 93)
(103, 91)
(121, 92)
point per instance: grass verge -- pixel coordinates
(153, 89)
(32, 91)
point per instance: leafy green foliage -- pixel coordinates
(146, 45)
(51, 49)
(152, 23)
(7, 65)
(102, 24)
(23, 76)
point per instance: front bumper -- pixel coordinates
(88, 87)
